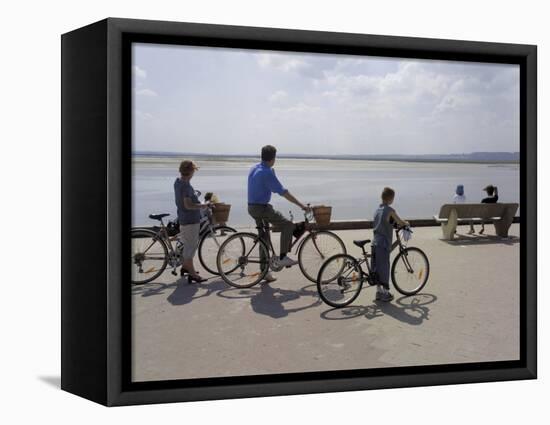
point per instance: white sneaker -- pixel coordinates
(269, 278)
(287, 262)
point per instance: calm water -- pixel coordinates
(351, 187)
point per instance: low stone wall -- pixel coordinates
(361, 224)
(367, 224)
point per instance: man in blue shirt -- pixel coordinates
(262, 182)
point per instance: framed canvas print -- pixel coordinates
(252, 211)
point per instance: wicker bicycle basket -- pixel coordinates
(220, 213)
(322, 214)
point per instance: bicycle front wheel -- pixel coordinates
(410, 271)
(316, 249)
(340, 280)
(210, 244)
(243, 260)
(149, 256)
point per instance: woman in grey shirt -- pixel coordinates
(189, 217)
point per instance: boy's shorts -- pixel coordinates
(380, 264)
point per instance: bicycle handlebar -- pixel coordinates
(399, 228)
(308, 214)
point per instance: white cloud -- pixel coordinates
(145, 116)
(278, 97)
(299, 108)
(281, 62)
(146, 92)
(303, 66)
(139, 72)
(415, 89)
(360, 104)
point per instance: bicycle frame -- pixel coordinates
(402, 248)
(297, 242)
(366, 256)
(167, 240)
(266, 227)
(206, 227)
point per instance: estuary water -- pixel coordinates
(351, 187)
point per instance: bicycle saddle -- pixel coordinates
(361, 243)
(157, 216)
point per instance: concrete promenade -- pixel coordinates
(468, 312)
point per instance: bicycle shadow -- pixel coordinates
(411, 310)
(183, 292)
(153, 288)
(269, 300)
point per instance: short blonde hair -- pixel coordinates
(388, 194)
(187, 167)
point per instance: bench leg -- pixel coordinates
(449, 228)
(503, 225)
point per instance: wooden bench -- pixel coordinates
(502, 216)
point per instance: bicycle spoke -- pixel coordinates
(316, 249)
(150, 270)
(410, 271)
(242, 260)
(210, 244)
(149, 256)
(340, 280)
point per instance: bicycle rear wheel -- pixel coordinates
(340, 280)
(210, 245)
(410, 271)
(149, 256)
(316, 249)
(243, 260)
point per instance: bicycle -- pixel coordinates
(153, 251)
(341, 277)
(245, 258)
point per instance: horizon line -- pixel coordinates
(323, 154)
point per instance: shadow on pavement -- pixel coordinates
(186, 292)
(153, 288)
(182, 291)
(269, 300)
(408, 309)
(465, 240)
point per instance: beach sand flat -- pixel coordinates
(468, 312)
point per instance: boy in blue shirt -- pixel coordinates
(384, 217)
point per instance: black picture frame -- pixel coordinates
(96, 130)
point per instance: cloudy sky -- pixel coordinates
(232, 101)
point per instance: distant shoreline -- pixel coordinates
(389, 158)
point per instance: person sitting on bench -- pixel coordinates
(492, 191)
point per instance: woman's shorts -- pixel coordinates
(189, 237)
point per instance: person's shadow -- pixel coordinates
(269, 300)
(186, 292)
(412, 310)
